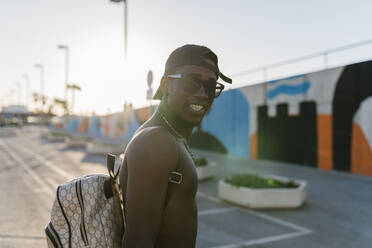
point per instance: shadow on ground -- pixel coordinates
(79, 149)
(94, 158)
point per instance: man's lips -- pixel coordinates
(197, 108)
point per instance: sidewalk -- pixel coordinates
(337, 210)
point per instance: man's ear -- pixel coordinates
(165, 85)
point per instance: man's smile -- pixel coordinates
(197, 108)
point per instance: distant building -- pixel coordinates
(14, 115)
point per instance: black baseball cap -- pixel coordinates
(192, 55)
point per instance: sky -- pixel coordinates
(245, 34)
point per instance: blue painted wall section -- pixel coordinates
(287, 78)
(295, 85)
(289, 89)
(132, 125)
(228, 121)
(94, 129)
(73, 124)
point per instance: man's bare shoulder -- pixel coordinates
(153, 135)
(153, 145)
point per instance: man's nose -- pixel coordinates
(202, 92)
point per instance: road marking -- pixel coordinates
(261, 215)
(28, 169)
(52, 183)
(279, 221)
(264, 240)
(300, 231)
(216, 211)
(19, 237)
(5, 236)
(208, 197)
(48, 164)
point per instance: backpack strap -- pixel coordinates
(108, 189)
(112, 189)
(174, 179)
(111, 166)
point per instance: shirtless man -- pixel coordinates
(158, 178)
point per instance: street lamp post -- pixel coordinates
(27, 78)
(73, 88)
(65, 47)
(41, 67)
(11, 96)
(19, 92)
(125, 3)
(149, 92)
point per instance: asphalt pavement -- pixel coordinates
(337, 212)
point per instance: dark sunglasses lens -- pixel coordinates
(210, 88)
(190, 86)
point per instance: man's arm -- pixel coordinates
(151, 156)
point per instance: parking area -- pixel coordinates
(222, 225)
(337, 212)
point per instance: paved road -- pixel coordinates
(30, 170)
(337, 212)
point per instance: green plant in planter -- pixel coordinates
(79, 138)
(199, 162)
(258, 182)
(57, 134)
(96, 142)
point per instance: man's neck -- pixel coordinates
(181, 127)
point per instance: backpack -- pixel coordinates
(88, 212)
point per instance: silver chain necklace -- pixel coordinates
(178, 135)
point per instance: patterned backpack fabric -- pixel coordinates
(88, 212)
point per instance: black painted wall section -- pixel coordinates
(205, 141)
(286, 138)
(354, 85)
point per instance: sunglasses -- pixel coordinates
(191, 83)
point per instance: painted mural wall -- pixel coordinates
(115, 128)
(321, 119)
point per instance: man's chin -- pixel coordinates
(190, 118)
(194, 121)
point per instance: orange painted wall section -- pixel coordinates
(142, 114)
(324, 127)
(59, 125)
(361, 154)
(253, 146)
(118, 132)
(106, 126)
(84, 124)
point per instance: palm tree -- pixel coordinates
(73, 88)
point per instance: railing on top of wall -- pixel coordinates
(324, 53)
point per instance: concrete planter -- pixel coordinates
(206, 172)
(55, 138)
(103, 148)
(44, 135)
(264, 198)
(54, 135)
(76, 141)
